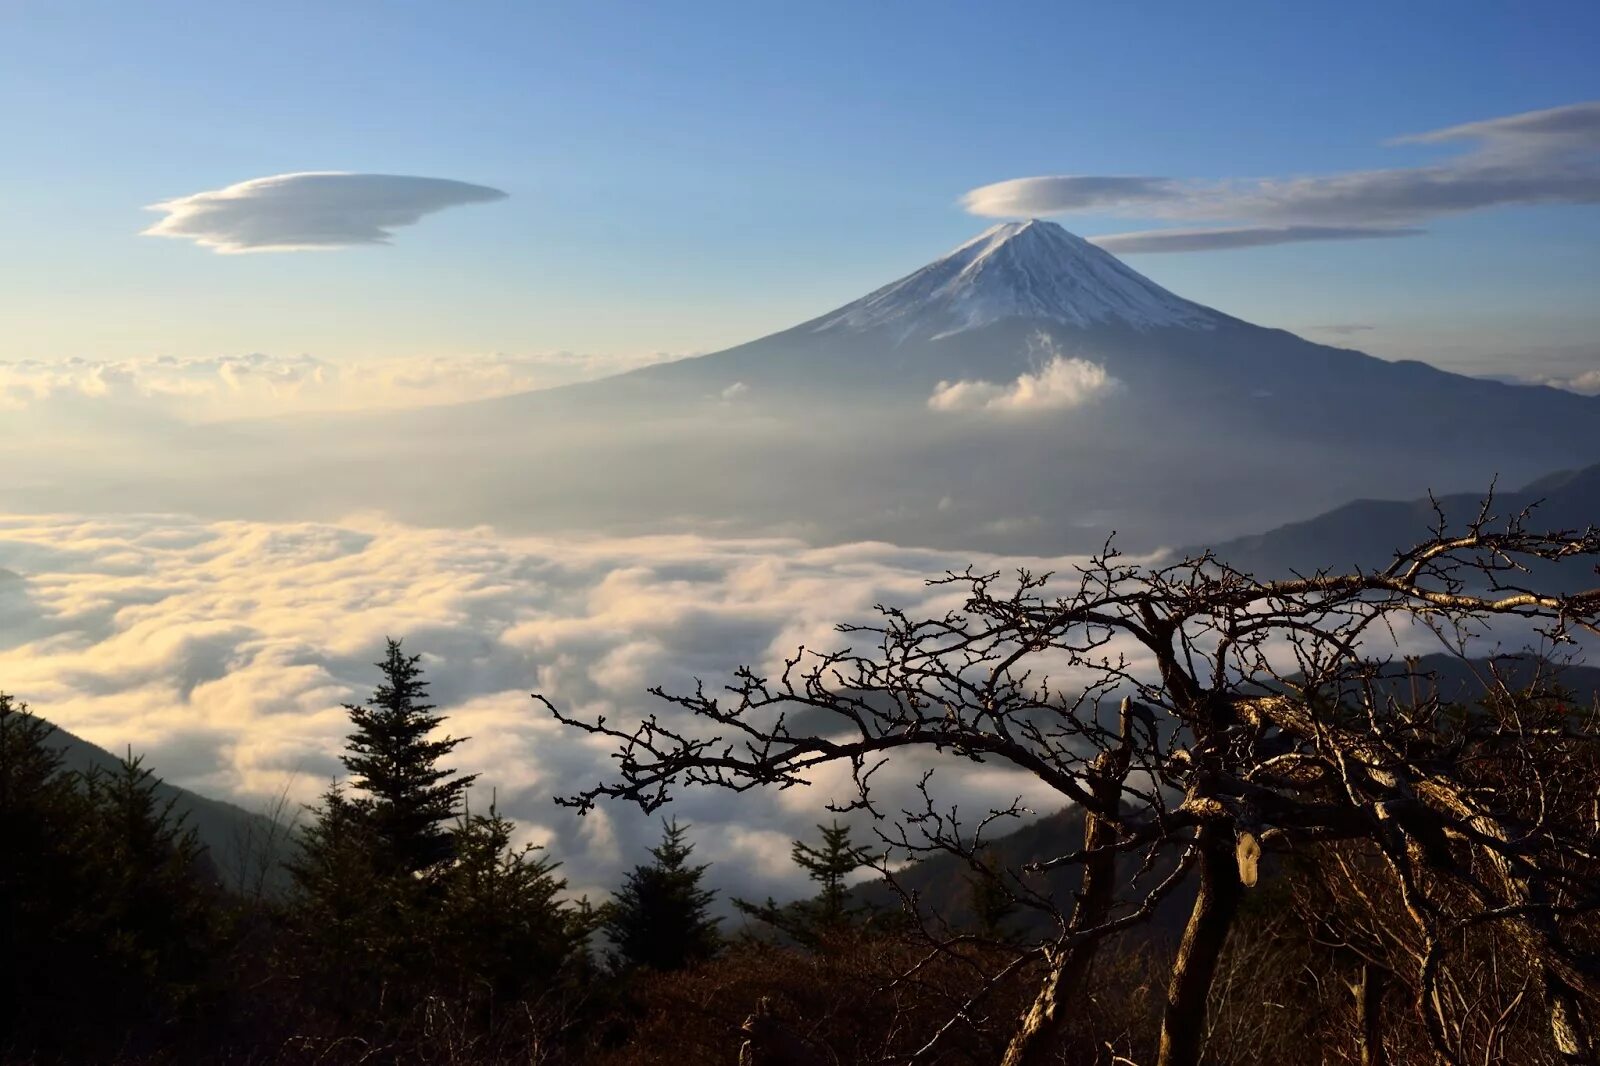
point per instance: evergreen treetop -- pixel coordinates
(810, 922)
(830, 864)
(410, 800)
(660, 918)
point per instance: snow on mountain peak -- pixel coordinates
(1031, 269)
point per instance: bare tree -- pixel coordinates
(1255, 717)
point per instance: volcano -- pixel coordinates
(1027, 392)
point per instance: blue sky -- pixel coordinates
(681, 177)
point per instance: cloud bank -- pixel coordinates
(1536, 158)
(222, 651)
(226, 387)
(314, 210)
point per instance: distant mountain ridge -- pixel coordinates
(1368, 533)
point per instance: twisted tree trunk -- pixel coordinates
(1039, 1033)
(1369, 1010)
(1183, 1022)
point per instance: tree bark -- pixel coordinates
(1369, 1010)
(1039, 1033)
(1569, 1028)
(1183, 1023)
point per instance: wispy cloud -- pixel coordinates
(1536, 158)
(297, 212)
(1341, 328)
(1218, 239)
(1586, 382)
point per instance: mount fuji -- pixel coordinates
(1005, 303)
(1027, 392)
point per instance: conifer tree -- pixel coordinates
(661, 919)
(43, 820)
(105, 899)
(410, 799)
(828, 866)
(505, 929)
(155, 883)
(809, 922)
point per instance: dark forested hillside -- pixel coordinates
(247, 848)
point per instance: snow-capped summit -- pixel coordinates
(1031, 269)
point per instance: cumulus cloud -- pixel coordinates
(1535, 158)
(1060, 384)
(223, 651)
(297, 212)
(223, 387)
(1586, 382)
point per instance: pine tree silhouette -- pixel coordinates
(504, 928)
(809, 922)
(410, 799)
(828, 866)
(660, 918)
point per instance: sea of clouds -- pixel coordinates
(219, 388)
(223, 650)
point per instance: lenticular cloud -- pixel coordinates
(296, 212)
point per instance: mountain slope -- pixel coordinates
(1205, 427)
(247, 848)
(1368, 533)
(1028, 270)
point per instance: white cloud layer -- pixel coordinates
(223, 650)
(1586, 382)
(223, 387)
(314, 210)
(1059, 385)
(1535, 158)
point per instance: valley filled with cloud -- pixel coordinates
(223, 650)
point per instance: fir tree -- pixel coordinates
(660, 919)
(409, 798)
(828, 866)
(43, 861)
(809, 922)
(156, 885)
(505, 929)
(352, 911)
(105, 898)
